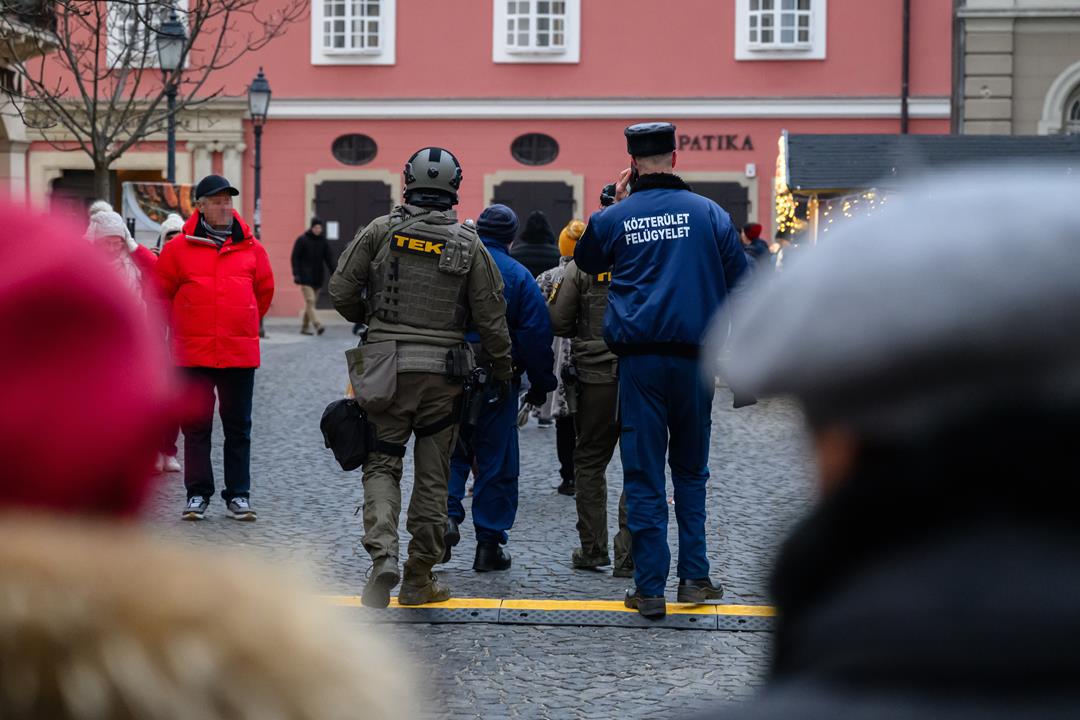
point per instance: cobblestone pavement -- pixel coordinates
(760, 484)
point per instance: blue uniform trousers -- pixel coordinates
(495, 492)
(659, 395)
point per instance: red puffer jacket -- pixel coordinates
(215, 297)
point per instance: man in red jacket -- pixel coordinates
(217, 283)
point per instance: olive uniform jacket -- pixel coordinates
(577, 307)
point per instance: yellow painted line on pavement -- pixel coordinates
(562, 605)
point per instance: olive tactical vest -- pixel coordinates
(419, 276)
(594, 302)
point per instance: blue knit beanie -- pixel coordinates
(499, 223)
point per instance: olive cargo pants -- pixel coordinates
(422, 399)
(597, 436)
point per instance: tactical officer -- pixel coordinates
(674, 256)
(494, 441)
(419, 278)
(577, 308)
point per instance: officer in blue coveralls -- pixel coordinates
(674, 256)
(494, 441)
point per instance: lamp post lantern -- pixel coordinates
(171, 39)
(259, 105)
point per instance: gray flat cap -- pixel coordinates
(961, 297)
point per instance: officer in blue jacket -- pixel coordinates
(674, 257)
(494, 442)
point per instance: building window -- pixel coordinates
(537, 31)
(354, 149)
(534, 149)
(1072, 114)
(132, 30)
(353, 32)
(780, 29)
(779, 24)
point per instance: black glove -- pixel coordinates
(499, 391)
(535, 397)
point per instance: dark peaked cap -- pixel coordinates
(645, 139)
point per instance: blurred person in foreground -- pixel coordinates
(98, 619)
(217, 283)
(939, 573)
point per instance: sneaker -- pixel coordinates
(195, 508)
(699, 591)
(588, 561)
(431, 591)
(649, 607)
(172, 464)
(239, 508)
(320, 330)
(384, 577)
(159, 464)
(306, 332)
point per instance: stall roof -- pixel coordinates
(846, 162)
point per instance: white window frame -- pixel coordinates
(385, 54)
(116, 38)
(502, 52)
(814, 50)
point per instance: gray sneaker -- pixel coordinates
(239, 508)
(195, 508)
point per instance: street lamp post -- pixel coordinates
(259, 105)
(171, 39)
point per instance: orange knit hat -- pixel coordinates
(569, 236)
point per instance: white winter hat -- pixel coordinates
(172, 224)
(98, 206)
(106, 224)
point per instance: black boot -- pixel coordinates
(451, 538)
(490, 556)
(699, 591)
(648, 606)
(566, 487)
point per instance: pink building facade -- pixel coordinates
(533, 95)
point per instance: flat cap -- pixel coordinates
(940, 307)
(645, 139)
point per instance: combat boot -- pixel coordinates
(650, 607)
(451, 538)
(384, 577)
(699, 591)
(423, 590)
(490, 556)
(589, 561)
(624, 567)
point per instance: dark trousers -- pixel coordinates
(233, 387)
(666, 411)
(494, 446)
(565, 439)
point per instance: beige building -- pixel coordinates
(1017, 65)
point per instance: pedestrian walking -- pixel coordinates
(416, 277)
(577, 306)
(535, 248)
(560, 403)
(493, 442)
(310, 261)
(674, 256)
(217, 284)
(942, 415)
(168, 460)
